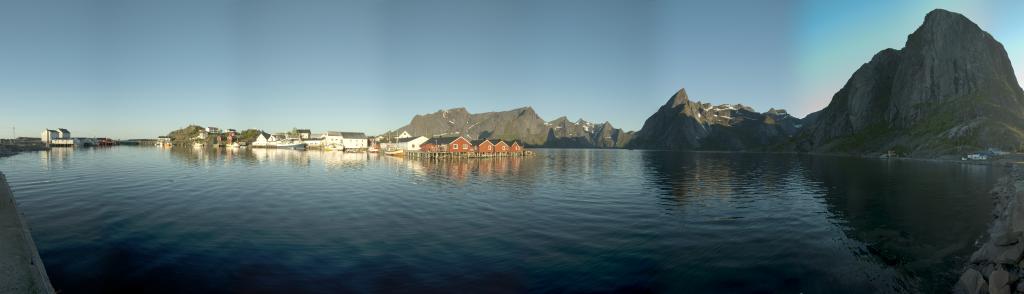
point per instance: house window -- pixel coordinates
(464, 146)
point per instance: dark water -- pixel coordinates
(144, 219)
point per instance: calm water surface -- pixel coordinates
(146, 219)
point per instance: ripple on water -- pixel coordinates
(134, 219)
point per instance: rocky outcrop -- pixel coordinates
(682, 124)
(997, 267)
(950, 88)
(518, 124)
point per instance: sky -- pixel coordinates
(141, 68)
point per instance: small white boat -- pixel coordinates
(332, 147)
(198, 145)
(291, 144)
(234, 146)
(372, 149)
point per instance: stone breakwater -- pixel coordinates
(997, 267)
(21, 269)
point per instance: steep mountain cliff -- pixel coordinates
(518, 124)
(682, 124)
(951, 89)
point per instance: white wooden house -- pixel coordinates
(345, 140)
(262, 140)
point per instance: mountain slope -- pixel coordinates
(518, 124)
(682, 124)
(950, 89)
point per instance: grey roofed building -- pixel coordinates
(347, 135)
(403, 140)
(443, 140)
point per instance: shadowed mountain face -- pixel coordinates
(950, 89)
(518, 124)
(687, 125)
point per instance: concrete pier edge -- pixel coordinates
(21, 269)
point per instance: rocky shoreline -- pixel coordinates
(14, 149)
(21, 269)
(997, 267)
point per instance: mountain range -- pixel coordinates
(692, 125)
(951, 89)
(521, 124)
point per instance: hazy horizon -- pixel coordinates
(127, 69)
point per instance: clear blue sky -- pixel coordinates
(138, 68)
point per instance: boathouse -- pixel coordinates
(515, 147)
(451, 144)
(500, 146)
(483, 146)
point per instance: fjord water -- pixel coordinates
(146, 219)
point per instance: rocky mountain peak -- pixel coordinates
(679, 98)
(941, 17)
(559, 120)
(950, 87)
(516, 124)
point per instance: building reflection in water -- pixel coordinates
(454, 170)
(56, 157)
(463, 171)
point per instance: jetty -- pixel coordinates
(21, 269)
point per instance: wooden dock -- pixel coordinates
(460, 155)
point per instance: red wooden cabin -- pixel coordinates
(451, 144)
(483, 146)
(515, 147)
(500, 146)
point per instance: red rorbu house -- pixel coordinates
(449, 144)
(483, 146)
(500, 146)
(515, 147)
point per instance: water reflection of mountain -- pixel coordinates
(914, 215)
(688, 175)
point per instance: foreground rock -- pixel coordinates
(997, 266)
(21, 270)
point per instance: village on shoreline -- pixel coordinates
(402, 144)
